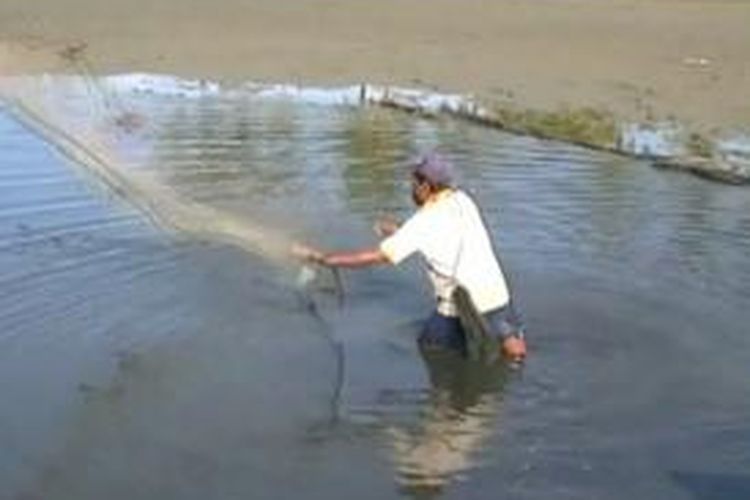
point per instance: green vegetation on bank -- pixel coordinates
(699, 145)
(586, 126)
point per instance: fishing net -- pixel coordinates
(254, 369)
(99, 125)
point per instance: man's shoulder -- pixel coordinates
(464, 196)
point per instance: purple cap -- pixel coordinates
(434, 168)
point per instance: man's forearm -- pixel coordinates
(359, 258)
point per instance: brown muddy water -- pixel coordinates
(138, 362)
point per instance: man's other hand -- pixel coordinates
(386, 225)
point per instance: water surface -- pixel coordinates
(138, 363)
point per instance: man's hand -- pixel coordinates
(386, 225)
(307, 253)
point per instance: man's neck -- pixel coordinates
(438, 195)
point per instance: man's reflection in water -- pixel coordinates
(458, 419)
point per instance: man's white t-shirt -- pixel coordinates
(449, 233)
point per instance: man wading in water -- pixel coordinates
(448, 231)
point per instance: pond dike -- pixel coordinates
(667, 145)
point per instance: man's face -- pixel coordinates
(419, 190)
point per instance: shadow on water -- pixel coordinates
(713, 486)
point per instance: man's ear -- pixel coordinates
(431, 188)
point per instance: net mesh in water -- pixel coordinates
(231, 398)
(89, 120)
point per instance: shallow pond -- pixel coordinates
(139, 363)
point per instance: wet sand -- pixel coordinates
(642, 59)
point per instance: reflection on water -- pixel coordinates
(138, 365)
(374, 143)
(454, 424)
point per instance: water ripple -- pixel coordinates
(633, 283)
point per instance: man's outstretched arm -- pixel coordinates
(356, 258)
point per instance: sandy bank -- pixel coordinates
(576, 70)
(687, 59)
